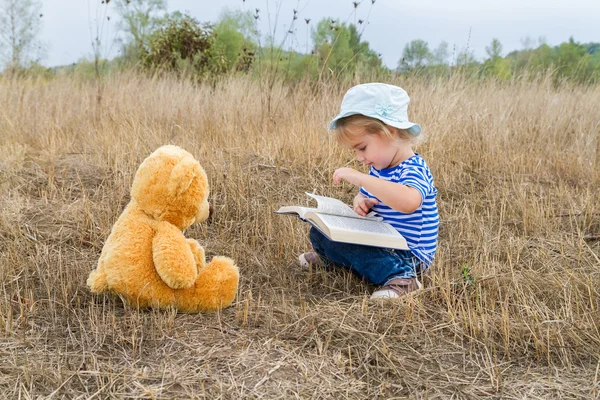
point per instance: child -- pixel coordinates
(373, 122)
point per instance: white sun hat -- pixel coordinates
(387, 103)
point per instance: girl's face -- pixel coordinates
(378, 151)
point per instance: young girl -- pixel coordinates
(373, 122)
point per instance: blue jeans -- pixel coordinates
(376, 264)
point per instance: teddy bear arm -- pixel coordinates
(198, 251)
(173, 258)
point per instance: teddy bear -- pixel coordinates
(146, 259)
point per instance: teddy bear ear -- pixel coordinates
(182, 176)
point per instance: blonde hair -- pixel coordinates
(348, 129)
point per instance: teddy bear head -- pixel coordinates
(170, 185)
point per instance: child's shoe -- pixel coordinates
(310, 258)
(396, 287)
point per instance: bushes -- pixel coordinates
(186, 47)
(182, 46)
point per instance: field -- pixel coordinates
(510, 308)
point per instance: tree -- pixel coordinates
(20, 24)
(235, 39)
(574, 62)
(542, 61)
(361, 49)
(495, 65)
(415, 55)
(494, 50)
(332, 44)
(440, 54)
(139, 19)
(569, 61)
(341, 48)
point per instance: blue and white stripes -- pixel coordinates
(420, 228)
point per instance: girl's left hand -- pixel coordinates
(348, 174)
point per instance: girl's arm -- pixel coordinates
(400, 197)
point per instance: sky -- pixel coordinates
(389, 25)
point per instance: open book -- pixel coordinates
(340, 223)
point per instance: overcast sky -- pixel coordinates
(390, 24)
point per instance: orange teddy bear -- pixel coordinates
(147, 259)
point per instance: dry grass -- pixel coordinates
(511, 305)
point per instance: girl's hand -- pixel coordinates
(362, 205)
(347, 174)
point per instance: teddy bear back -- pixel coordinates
(170, 185)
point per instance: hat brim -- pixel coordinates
(412, 128)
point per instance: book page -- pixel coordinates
(301, 211)
(329, 205)
(358, 225)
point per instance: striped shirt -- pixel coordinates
(420, 228)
